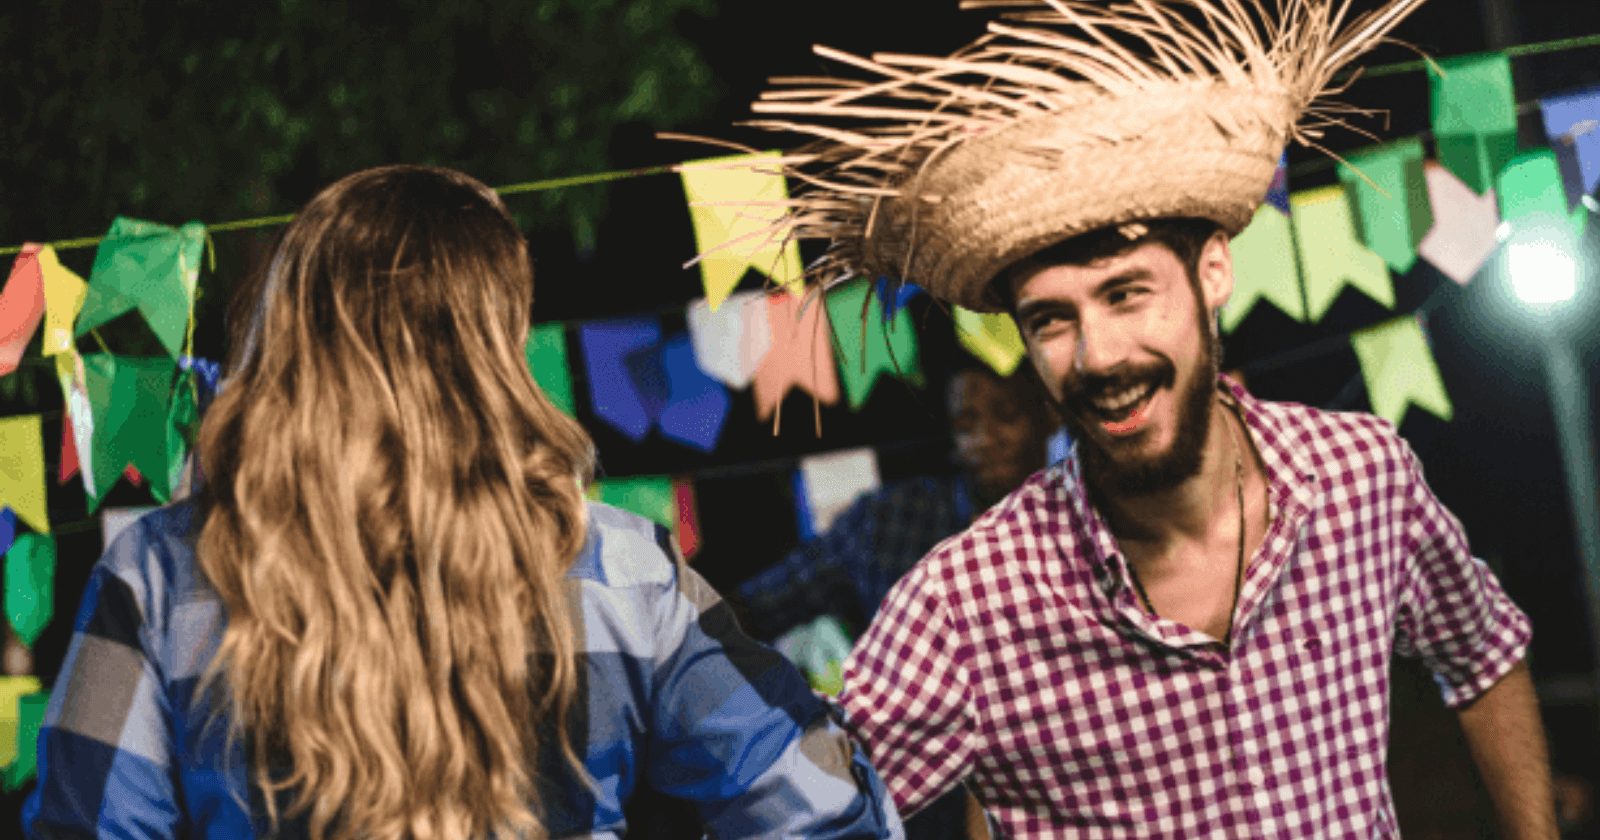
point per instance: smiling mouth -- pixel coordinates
(1123, 412)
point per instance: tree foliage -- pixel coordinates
(182, 110)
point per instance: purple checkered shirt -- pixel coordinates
(1016, 654)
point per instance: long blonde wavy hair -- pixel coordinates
(389, 508)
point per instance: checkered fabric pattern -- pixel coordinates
(848, 570)
(679, 709)
(1017, 654)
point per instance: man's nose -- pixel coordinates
(1101, 349)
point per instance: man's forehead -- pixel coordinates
(1144, 259)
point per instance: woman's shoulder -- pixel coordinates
(624, 550)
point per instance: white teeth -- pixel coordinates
(1123, 399)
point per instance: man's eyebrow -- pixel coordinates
(1034, 306)
(1131, 275)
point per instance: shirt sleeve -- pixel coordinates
(907, 694)
(736, 731)
(105, 747)
(1453, 613)
(818, 578)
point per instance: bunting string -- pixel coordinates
(1374, 72)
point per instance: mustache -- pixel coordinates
(1081, 387)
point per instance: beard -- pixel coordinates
(1116, 466)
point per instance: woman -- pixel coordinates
(389, 613)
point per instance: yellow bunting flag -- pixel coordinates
(1264, 269)
(737, 205)
(992, 337)
(12, 690)
(1398, 366)
(1332, 255)
(22, 486)
(64, 292)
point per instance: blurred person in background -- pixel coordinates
(1001, 428)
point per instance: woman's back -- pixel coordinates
(673, 698)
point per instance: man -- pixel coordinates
(1184, 629)
(1000, 429)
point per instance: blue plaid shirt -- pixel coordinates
(678, 706)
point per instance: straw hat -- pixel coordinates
(1066, 117)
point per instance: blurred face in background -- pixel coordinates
(1001, 428)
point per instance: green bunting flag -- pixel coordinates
(870, 345)
(650, 496)
(149, 267)
(992, 337)
(1331, 254)
(1391, 201)
(1534, 200)
(1474, 116)
(12, 690)
(546, 350)
(30, 585)
(30, 718)
(22, 484)
(1264, 269)
(1399, 369)
(130, 398)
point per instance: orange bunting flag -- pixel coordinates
(21, 308)
(801, 355)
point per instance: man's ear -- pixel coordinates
(1215, 271)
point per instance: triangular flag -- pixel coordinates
(737, 205)
(818, 648)
(990, 336)
(30, 718)
(1331, 255)
(1474, 116)
(617, 397)
(1573, 121)
(1264, 268)
(12, 690)
(1278, 192)
(731, 341)
(22, 485)
(30, 585)
(1399, 369)
(868, 344)
(1464, 225)
(79, 412)
(650, 496)
(830, 483)
(801, 355)
(895, 296)
(69, 449)
(149, 267)
(1533, 200)
(64, 292)
(1391, 201)
(8, 532)
(21, 308)
(183, 423)
(130, 398)
(688, 517)
(696, 405)
(546, 350)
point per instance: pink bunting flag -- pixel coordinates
(1463, 236)
(21, 308)
(801, 355)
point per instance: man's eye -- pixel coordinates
(1121, 296)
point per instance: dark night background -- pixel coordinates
(189, 110)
